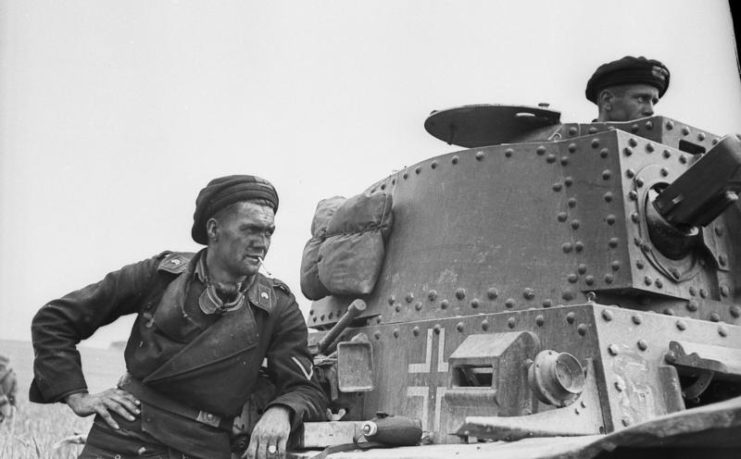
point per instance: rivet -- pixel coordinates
(722, 260)
(692, 305)
(668, 312)
(575, 224)
(573, 130)
(664, 172)
(568, 181)
(492, 293)
(634, 128)
(670, 357)
(557, 187)
(551, 158)
(566, 247)
(579, 246)
(383, 187)
(405, 176)
(392, 300)
(582, 329)
(607, 315)
(511, 322)
(604, 152)
(701, 136)
(418, 170)
(595, 143)
(612, 349)
(615, 265)
(570, 317)
(649, 125)
(718, 230)
(582, 268)
(649, 147)
(460, 293)
(592, 129)
(639, 182)
(685, 130)
(714, 141)
(567, 295)
(608, 197)
(444, 304)
(508, 152)
(433, 164)
(572, 148)
(393, 181)
(528, 293)
(539, 320)
(683, 159)
(572, 278)
(703, 293)
(634, 217)
(735, 311)
(432, 295)
(479, 155)
(453, 160)
(418, 305)
(632, 195)
(667, 154)
(632, 142)
(379, 319)
(658, 283)
(669, 125)
(396, 332)
(510, 303)
(647, 280)
(571, 202)
(613, 242)
(714, 317)
(436, 329)
(415, 331)
(625, 422)
(475, 303)
(540, 150)
(722, 331)
(610, 219)
(630, 173)
(564, 160)
(562, 216)
(724, 291)
(377, 334)
(693, 291)
(609, 278)
(642, 345)
(410, 297)
(547, 303)
(619, 386)
(627, 151)
(681, 325)
(589, 280)
(484, 324)
(606, 174)
(636, 319)
(322, 317)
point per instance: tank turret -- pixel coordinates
(552, 279)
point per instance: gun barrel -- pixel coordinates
(353, 311)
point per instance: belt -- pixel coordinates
(150, 396)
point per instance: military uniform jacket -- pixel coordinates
(209, 363)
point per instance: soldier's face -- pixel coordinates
(241, 237)
(633, 101)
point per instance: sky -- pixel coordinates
(114, 114)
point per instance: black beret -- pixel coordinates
(223, 191)
(628, 70)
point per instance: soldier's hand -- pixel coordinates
(116, 400)
(270, 435)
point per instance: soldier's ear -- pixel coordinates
(212, 227)
(605, 99)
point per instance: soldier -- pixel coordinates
(7, 388)
(628, 88)
(205, 323)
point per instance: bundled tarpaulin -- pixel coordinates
(346, 251)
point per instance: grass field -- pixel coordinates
(35, 428)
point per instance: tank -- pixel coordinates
(551, 281)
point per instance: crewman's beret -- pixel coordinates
(628, 70)
(223, 191)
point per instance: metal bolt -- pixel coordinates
(649, 147)
(540, 150)
(634, 128)
(572, 202)
(436, 329)
(701, 136)
(396, 333)
(379, 319)
(639, 182)
(722, 260)
(479, 155)
(604, 153)
(383, 187)
(607, 315)
(567, 295)
(670, 357)
(511, 322)
(510, 303)
(410, 297)
(735, 311)
(398, 308)
(392, 300)
(573, 130)
(632, 142)
(475, 303)
(528, 293)
(562, 216)
(595, 143)
(719, 230)
(551, 158)
(664, 172)
(453, 160)
(681, 325)
(484, 324)
(608, 197)
(557, 187)
(460, 293)
(669, 125)
(724, 291)
(581, 329)
(613, 242)
(668, 311)
(722, 331)
(685, 130)
(612, 349)
(630, 173)
(692, 305)
(619, 386)
(377, 334)
(566, 247)
(568, 181)
(626, 422)
(418, 170)
(632, 195)
(609, 278)
(703, 293)
(667, 154)
(649, 125)
(610, 219)
(572, 278)
(714, 141)
(418, 305)
(714, 317)
(589, 280)
(433, 164)
(642, 345)
(492, 293)
(693, 291)
(572, 148)
(636, 319)
(592, 129)
(582, 268)
(432, 295)
(658, 283)
(547, 303)
(575, 224)
(539, 320)
(647, 280)
(579, 246)
(444, 304)
(606, 174)
(415, 331)
(683, 159)
(570, 317)
(564, 160)
(508, 152)
(627, 151)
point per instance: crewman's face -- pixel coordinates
(238, 238)
(630, 102)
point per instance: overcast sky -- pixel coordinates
(114, 114)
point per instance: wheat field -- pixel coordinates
(37, 431)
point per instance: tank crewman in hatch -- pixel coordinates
(628, 88)
(204, 324)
